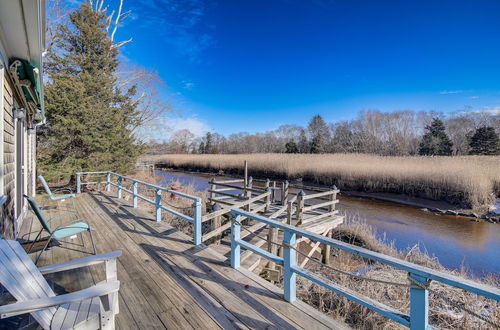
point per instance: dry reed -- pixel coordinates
(465, 181)
(442, 314)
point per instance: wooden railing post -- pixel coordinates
(284, 192)
(419, 303)
(158, 204)
(289, 212)
(108, 182)
(135, 199)
(213, 186)
(273, 199)
(272, 237)
(268, 197)
(248, 193)
(235, 236)
(120, 180)
(290, 259)
(78, 183)
(331, 209)
(216, 223)
(197, 221)
(300, 206)
(268, 200)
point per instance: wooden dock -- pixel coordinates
(166, 281)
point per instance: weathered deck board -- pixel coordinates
(167, 282)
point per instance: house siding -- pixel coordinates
(8, 212)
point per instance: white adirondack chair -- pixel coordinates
(91, 308)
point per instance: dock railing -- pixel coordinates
(111, 179)
(419, 277)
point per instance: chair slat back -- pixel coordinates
(38, 213)
(45, 185)
(19, 275)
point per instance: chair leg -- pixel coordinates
(44, 248)
(34, 241)
(92, 240)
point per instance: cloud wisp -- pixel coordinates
(447, 92)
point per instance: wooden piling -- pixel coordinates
(216, 224)
(300, 206)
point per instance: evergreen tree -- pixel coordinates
(209, 143)
(318, 133)
(317, 145)
(485, 141)
(291, 147)
(89, 118)
(435, 141)
(303, 145)
(201, 148)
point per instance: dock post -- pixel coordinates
(135, 194)
(274, 193)
(289, 212)
(290, 259)
(268, 200)
(284, 192)
(248, 193)
(331, 209)
(216, 223)
(78, 183)
(108, 182)
(120, 180)
(245, 173)
(419, 303)
(197, 221)
(158, 204)
(235, 237)
(268, 197)
(213, 186)
(272, 237)
(300, 206)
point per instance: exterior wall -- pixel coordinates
(7, 223)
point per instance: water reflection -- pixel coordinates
(453, 240)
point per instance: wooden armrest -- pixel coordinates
(29, 306)
(79, 263)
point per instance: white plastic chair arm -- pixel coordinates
(29, 306)
(79, 263)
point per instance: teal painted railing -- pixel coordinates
(419, 276)
(157, 202)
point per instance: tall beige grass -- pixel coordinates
(466, 181)
(443, 314)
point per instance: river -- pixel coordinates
(455, 241)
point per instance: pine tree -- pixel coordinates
(303, 144)
(89, 117)
(201, 148)
(208, 143)
(291, 147)
(485, 141)
(435, 141)
(317, 146)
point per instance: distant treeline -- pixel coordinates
(399, 133)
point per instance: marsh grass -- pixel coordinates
(466, 181)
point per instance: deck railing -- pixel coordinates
(157, 202)
(419, 277)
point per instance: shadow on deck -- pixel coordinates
(166, 281)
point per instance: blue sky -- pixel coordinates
(253, 65)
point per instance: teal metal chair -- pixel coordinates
(63, 231)
(69, 193)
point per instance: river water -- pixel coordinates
(455, 241)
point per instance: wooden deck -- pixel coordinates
(166, 281)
